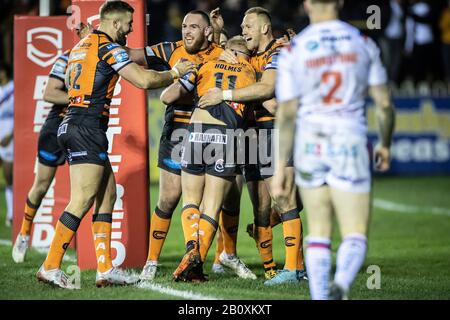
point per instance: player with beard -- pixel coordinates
(196, 29)
(257, 31)
(207, 176)
(94, 67)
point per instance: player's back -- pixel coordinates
(332, 64)
(92, 74)
(225, 76)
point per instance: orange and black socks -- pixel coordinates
(159, 227)
(190, 216)
(229, 224)
(275, 218)
(30, 213)
(292, 238)
(206, 232)
(263, 237)
(101, 231)
(66, 227)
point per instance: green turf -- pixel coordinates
(411, 249)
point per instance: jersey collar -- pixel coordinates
(271, 43)
(101, 32)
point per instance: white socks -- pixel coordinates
(318, 265)
(9, 202)
(350, 258)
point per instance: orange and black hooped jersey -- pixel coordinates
(170, 53)
(92, 74)
(262, 61)
(223, 75)
(59, 72)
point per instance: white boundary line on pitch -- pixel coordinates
(67, 257)
(189, 295)
(404, 208)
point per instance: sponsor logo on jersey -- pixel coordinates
(120, 55)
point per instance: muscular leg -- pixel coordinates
(102, 219)
(215, 189)
(260, 197)
(229, 218)
(192, 188)
(85, 180)
(169, 196)
(319, 210)
(352, 212)
(292, 227)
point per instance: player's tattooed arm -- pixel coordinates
(386, 123)
(55, 92)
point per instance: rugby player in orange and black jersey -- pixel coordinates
(90, 95)
(210, 150)
(262, 61)
(229, 115)
(49, 152)
(177, 114)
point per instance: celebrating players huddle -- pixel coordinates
(223, 126)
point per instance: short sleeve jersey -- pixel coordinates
(329, 67)
(92, 73)
(59, 72)
(219, 74)
(262, 61)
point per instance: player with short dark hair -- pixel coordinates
(94, 67)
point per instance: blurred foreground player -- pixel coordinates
(322, 81)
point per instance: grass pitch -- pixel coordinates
(410, 247)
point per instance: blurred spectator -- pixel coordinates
(420, 39)
(6, 135)
(445, 38)
(392, 40)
